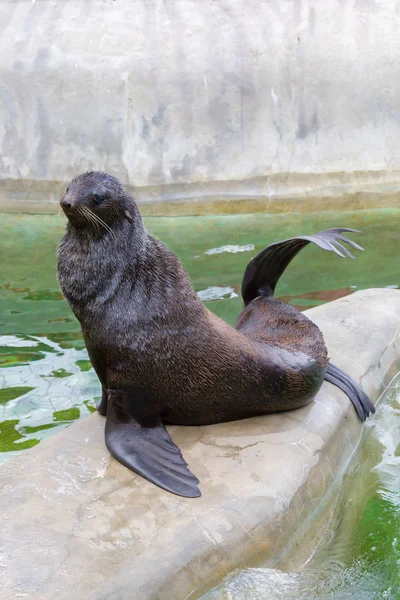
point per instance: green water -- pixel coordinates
(46, 380)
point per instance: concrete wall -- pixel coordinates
(189, 98)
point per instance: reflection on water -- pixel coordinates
(361, 560)
(309, 299)
(230, 248)
(42, 387)
(216, 293)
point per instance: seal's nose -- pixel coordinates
(65, 203)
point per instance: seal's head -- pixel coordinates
(96, 201)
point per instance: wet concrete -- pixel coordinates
(78, 524)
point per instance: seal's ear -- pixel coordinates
(149, 451)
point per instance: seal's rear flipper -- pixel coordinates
(264, 270)
(359, 398)
(150, 452)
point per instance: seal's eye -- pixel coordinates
(98, 198)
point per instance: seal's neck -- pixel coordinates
(125, 273)
(92, 262)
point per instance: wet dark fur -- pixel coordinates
(160, 355)
(148, 333)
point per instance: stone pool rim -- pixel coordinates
(94, 530)
(275, 194)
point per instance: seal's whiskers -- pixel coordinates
(87, 216)
(98, 219)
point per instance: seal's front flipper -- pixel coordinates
(359, 398)
(150, 452)
(264, 270)
(102, 404)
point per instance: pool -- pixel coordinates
(46, 379)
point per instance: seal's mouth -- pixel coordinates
(72, 212)
(80, 215)
(77, 220)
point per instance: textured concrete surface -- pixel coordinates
(250, 99)
(77, 524)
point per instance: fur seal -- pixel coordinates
(160, 355)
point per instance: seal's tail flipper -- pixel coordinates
(264, 270)
(358, 397)
(150, 452)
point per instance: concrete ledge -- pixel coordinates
(275, 193)
(77, 524)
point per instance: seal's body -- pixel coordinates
(160, 355)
